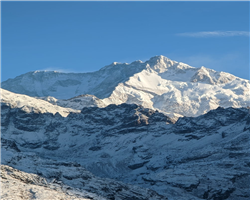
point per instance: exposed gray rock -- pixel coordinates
(187, 159)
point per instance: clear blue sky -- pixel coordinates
(86, 36)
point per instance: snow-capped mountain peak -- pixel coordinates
(210, 76)
(162, 64)
(159, 83)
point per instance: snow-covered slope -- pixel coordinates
(19, 185)
(30, 104)
(49, 104)
(205, 157)
(77, 103)
(159, 83)
(59, 180)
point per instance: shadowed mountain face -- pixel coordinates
(174, 88)
(205, 157)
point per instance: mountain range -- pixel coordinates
(152, 130)
(159, 83)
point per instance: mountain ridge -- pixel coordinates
(192, 158)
